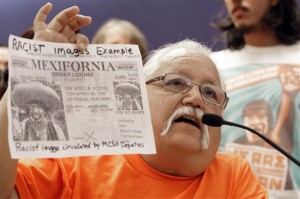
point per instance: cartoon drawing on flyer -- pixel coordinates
(128, 96)
(38, 113)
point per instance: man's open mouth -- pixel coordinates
(188, 119)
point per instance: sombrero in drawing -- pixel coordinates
(124, 88)
(24, 93)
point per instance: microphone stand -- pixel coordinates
(266, 140)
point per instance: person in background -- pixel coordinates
(262, 62)
(118, 31)
(3, 69)
(182, 84)
(28, 33)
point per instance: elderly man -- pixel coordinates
(182, 84)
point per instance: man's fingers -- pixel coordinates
(80, 40)
(62, 27)
(60, 20)
(50, 36)
(39, 23)
(75, 24)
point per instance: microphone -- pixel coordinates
(217, 121)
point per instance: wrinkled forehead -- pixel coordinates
(173, 57)
(3, 53)
(198, 67)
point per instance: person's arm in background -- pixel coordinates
(61, 29)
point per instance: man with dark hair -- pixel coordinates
(260, 23)
(262, 61)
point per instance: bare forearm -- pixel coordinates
(8, 166)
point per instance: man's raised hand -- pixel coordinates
(62, 27)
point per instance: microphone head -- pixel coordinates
(212, 119)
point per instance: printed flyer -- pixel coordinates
(64, 103)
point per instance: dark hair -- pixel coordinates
(259, 107)
(284, 18)
(28, 33)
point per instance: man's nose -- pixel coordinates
(193, 97)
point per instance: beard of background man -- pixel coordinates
(265, 22)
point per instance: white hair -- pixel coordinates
(169, 52)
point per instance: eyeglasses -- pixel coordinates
(180, 83)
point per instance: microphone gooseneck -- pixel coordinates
(217, 121)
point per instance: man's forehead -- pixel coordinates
(194, 63)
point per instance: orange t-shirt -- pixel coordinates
(128, 176)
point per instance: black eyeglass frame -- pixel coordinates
(159, 78)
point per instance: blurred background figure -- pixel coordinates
(3, 69)
(261, 65)
(118, 31)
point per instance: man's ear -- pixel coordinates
(274, 2)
